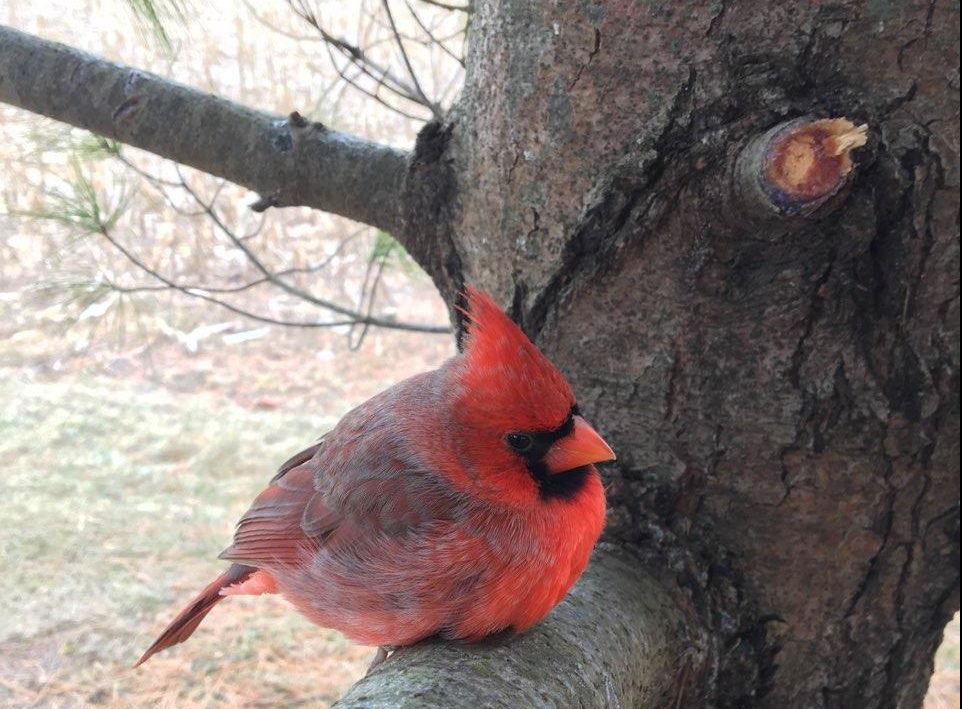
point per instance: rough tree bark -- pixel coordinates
(778, 371)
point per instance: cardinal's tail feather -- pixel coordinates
(186, 622)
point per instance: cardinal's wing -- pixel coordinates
(357, 482)
(286, 521)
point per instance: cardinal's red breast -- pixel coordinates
(409, 551)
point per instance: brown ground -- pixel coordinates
(122, 476)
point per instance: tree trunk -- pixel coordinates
(767, 334)
(781, 388)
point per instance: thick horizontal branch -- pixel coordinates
(289, 162)
(617, 641)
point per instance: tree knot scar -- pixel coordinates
(296, 120)
(134, 78)
(282, 140)
(265, 202)
(810, 162)
(126, 108)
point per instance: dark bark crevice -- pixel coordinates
(428, 200)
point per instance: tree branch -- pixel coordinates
(290, 163)
(357, 56)
(617, 641)
(203, 294)
(435, 109)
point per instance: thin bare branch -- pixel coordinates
(372, 95)
(184, 287)
(448, 6)
(375, 264)
(435, 109)
(439, 43)
(362, 60)
(258, 264)
(172, 285)
(279, 30)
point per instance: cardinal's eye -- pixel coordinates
(521, 442)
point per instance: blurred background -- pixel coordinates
(153, 373)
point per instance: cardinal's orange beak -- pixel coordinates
(583, 446)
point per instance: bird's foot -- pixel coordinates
(380, 656)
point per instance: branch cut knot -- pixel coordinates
(797, 167)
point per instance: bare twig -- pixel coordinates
(372, 95)
(435, 109)
(272, 277)
(435, 41)
(172, 285)
(279, 30)
(448, 6)
(375, 263)
(361, 317)
(85, 212)
(184, 287)
(360, 58)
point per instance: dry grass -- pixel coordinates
(117, 501)
(944, 687)
(128, 446)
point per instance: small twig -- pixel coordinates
(453, 84)
(246, 286)
(359, 58)
(435, 109)
(150, 177)
(446, 6)
(274, 28)
(379, 322)
(160, 184)
(257, 230)
(372, 95)
(260, 266)
(369, 293)
(267, 276)
(434, 40)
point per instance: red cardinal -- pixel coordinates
(460, 502)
